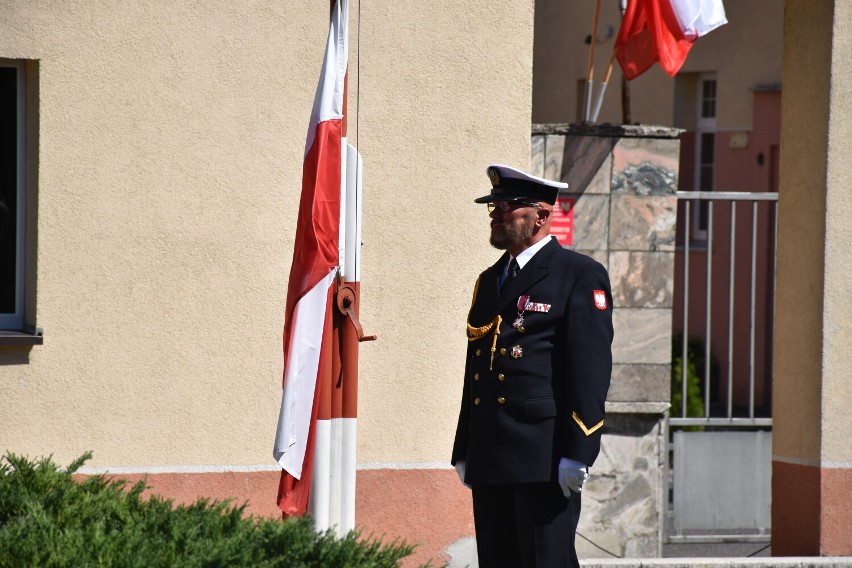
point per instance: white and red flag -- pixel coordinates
(663, 31)
(316, 260)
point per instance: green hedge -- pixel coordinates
(49, 519)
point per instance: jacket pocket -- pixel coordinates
(537, 408)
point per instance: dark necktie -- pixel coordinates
(511, 273)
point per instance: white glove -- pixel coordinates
(460, 471)
(572, 475)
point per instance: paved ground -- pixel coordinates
(464, 552)
(717, 550)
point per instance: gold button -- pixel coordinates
(501, 400)
(521, 329)
(476, 400)
(476, 376)
(502, 351)
(478, 352)
(501, 377)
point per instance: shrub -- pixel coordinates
(694, 371)
(49, 519)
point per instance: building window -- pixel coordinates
(705, 142)
(12, 198)
(708, 98)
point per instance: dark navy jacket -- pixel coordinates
(541, 396)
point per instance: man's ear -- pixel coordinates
(543, 216)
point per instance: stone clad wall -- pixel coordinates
(623, 181)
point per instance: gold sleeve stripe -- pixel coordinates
(587, 431)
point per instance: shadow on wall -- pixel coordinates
(582, 158)
(15, 355)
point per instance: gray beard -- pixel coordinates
(505, 236)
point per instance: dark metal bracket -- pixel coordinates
(346, 305)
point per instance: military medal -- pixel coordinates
(522, 306)
(517, 352)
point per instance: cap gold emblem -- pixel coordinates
(494, 176)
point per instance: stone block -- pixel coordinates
(642, 279)
(537, 151)
(587, 164)
(642, 336)
(645, 166)
(590, 222)
(554, 150)
(642, 223)
(640, 383)
(600, 183)
(646, 546)
(622, 502)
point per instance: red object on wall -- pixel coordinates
(562, 226)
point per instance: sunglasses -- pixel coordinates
(505, 206)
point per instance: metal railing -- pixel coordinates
(725, 430)
(710, 198)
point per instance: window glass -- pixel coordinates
(9, 281)
(708, 98)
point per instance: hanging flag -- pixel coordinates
(698, 17)
(663, 31)
(316, 259)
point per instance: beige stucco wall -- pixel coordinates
(744, 54)
(428, 130)
(837, 360)
(801, 234)
(814, 303)
(170, 147)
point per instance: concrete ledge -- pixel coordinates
(607, 130)
(637, 407)
(764, 562)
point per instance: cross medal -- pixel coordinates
(522, 306)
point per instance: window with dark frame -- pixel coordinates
(705, 141)
(11, 195)
(8, 187)
(708, 98)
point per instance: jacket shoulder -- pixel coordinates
(576, 260)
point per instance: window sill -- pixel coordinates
(8, 337)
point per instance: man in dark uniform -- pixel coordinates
(538, 368)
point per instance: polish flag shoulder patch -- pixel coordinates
(600, 299)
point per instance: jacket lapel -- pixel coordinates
(537, 268)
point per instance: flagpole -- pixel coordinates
(324, 495)
(625, 87)
(590, 74)
(343, 357)
(600, 97)
(328, 495)
(349, 333)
